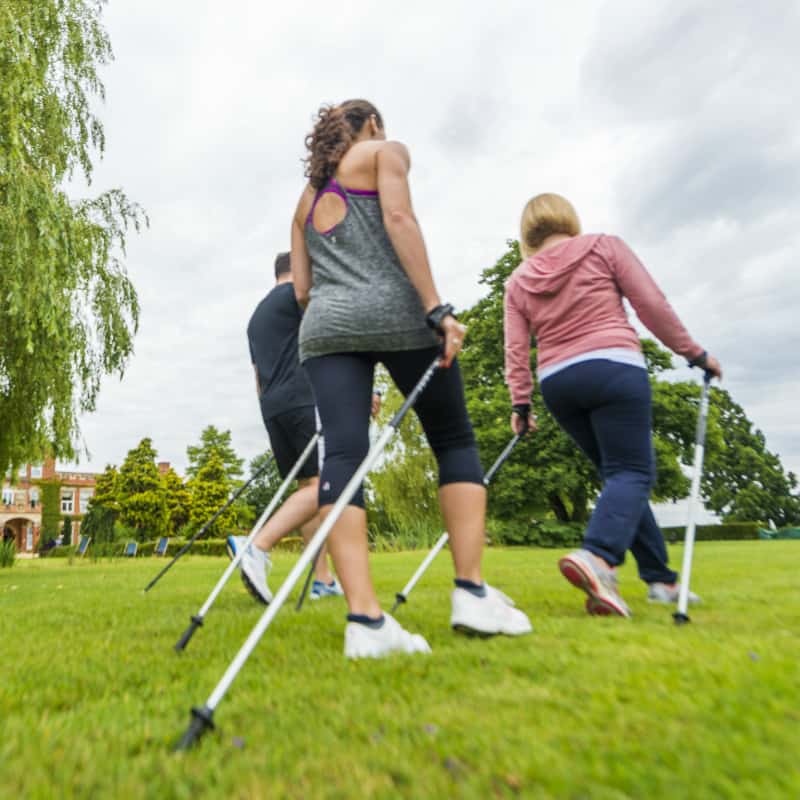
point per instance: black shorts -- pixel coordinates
(289, 434)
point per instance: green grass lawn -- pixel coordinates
(93, 696)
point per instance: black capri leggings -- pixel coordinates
(343, 389)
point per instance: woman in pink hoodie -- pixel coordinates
(568, 294)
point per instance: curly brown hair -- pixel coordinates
(335, 128)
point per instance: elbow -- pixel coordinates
(301, 294)
(397, 218)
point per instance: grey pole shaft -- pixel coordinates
(317, 541)
(260, 522)
(694, 497)
(440, 543)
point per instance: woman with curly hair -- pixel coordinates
(568, 293)
(360, 266)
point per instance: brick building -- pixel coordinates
(21, 504)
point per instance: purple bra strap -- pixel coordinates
(331, 186)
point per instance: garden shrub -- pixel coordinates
(726, 531)
(535, 533)
(8, 553)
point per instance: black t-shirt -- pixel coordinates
(272, 335)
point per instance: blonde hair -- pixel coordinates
(543, 216)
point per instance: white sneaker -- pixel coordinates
(361, 641)
(486, 616)
(667, 593)
(254, 568)
(583, 571)
(233, 544)
(320, 589)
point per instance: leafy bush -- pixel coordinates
(51, 512)
(59, 551)
(416, 535)
(124, 533)
(727, 531)
(99, 524)
(202, 547)
(8, 553)
(535, 533)
(66, 530)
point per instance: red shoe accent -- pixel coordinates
(598, 608)
(577, 574)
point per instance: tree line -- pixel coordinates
(137, 501)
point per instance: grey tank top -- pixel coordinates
(361, 299)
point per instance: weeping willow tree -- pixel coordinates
(68, 311)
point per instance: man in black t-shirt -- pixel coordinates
(287, 408)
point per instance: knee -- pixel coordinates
(640, 480)
(345, 446)
(459, 465)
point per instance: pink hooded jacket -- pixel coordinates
(570, 297)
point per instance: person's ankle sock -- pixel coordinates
(370, 622)
(478, 589)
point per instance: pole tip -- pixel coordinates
(202, 721)
(680, 618)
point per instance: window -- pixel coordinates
(36, 470)
(85, 495)
(8, 497)
(34, 497)
(67, 501)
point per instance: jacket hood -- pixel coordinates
(547, 272)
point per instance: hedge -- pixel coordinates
(550, 533)
(726, 531)
(535, 533)
(202, 547)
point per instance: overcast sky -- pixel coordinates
(671, 124)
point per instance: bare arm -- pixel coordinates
(401, 225)
(258, 382)
(393, 163)
(301, 263)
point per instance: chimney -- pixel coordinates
(163, 467)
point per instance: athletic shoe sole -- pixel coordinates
(582, 578)
(597, 608)
(248, 584)
(473, 633)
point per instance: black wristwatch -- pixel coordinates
(700, 361)
(436, 316)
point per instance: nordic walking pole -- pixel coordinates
(681, 616)
(303, 593)
(402, 596)
(205, 527)
(202, 717)
(197, 619)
